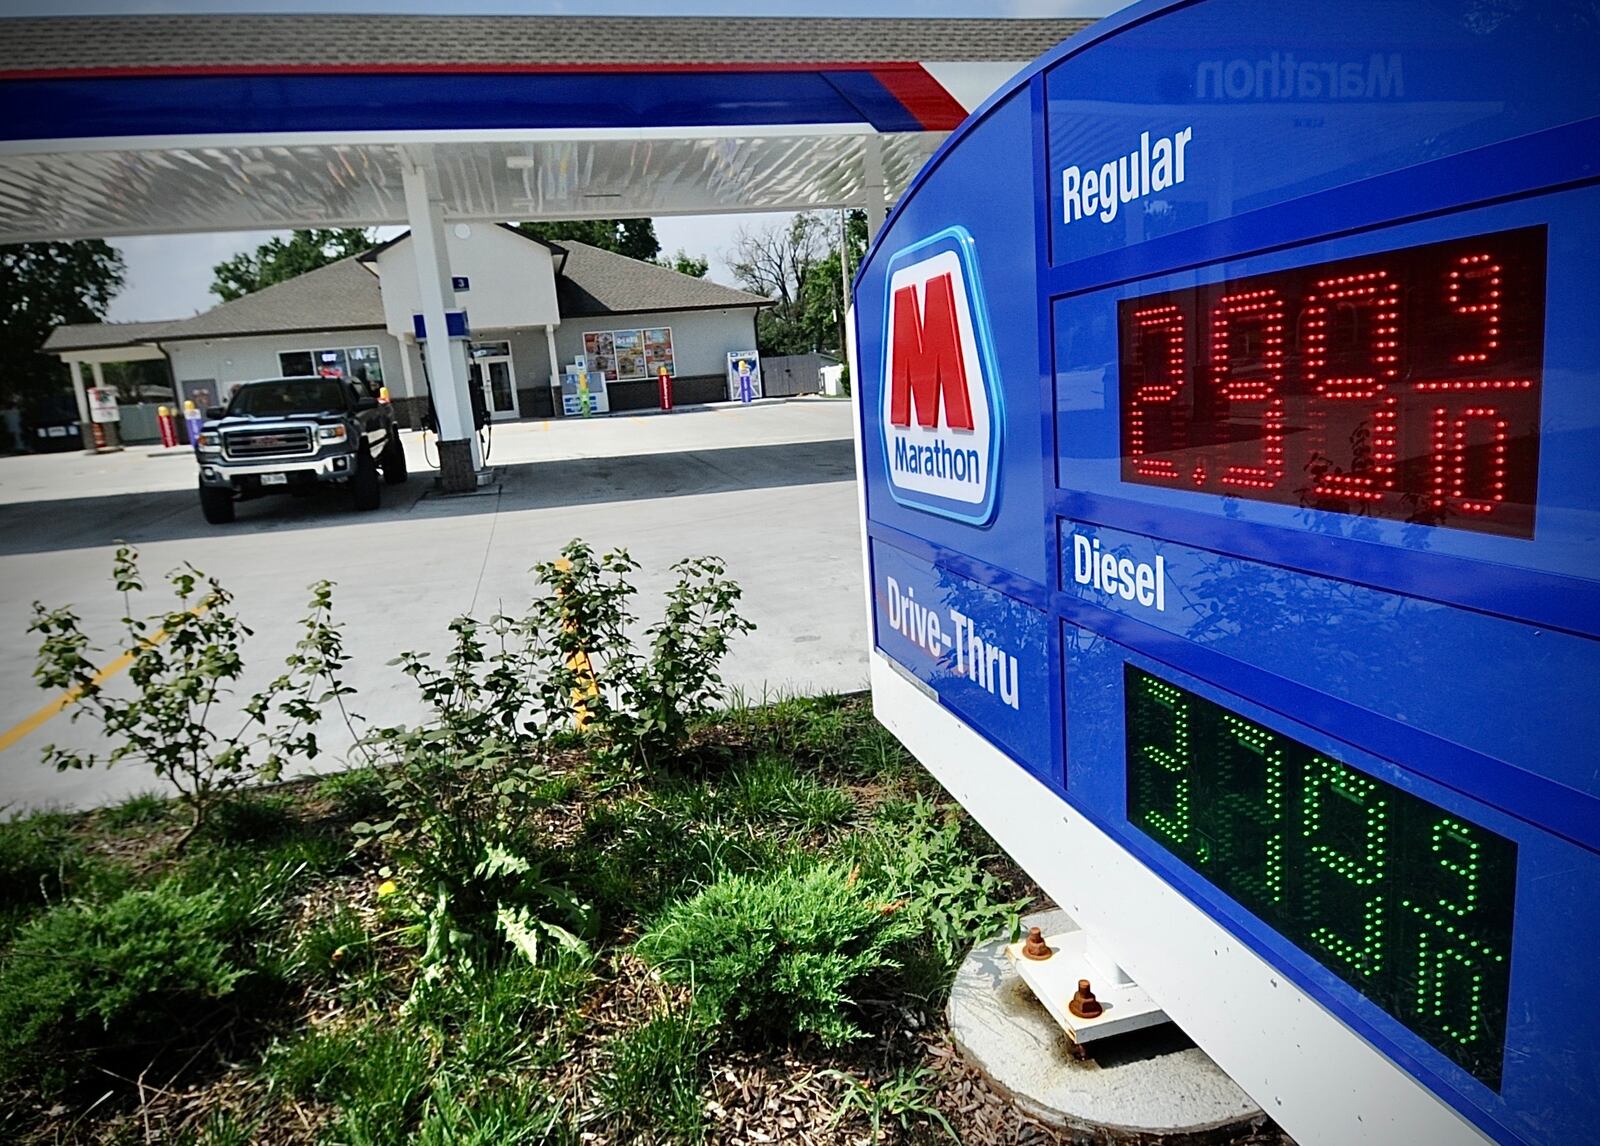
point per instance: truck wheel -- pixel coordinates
(394, 459)
(364, 483)
(216, 504)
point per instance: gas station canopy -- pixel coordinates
(152, 124)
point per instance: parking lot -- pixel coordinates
(768, 487)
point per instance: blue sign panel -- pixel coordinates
(983, 653)
(1283, 325)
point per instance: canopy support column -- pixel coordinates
(85, 431)
(446, 357)
(555, 370)
(874, 191)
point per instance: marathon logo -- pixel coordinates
(939, 405)
(1282, 77)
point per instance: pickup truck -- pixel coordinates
(288, 435)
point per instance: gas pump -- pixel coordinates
(481, 423)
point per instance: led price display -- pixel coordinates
(1402, 385)
(1408, 903)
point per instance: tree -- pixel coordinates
(797, 264)
(278, 260)
(778, 260)
(686, 264)
(43, 286)
(823, 302)
(635, 238)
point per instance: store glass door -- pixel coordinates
(491, 371)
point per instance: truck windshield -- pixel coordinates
(291, 396)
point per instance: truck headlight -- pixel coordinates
(208, 443)
(332, 434)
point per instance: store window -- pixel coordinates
(626, 355)
(357, 363)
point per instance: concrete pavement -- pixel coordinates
(769, 488)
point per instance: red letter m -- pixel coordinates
(927, 359)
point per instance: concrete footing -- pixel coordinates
(1147, 1086)
(456, 473)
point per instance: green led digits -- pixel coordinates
(1407, 903)
(1450, 964)
(1348, 819)
(1250, 836)
(1171, 724)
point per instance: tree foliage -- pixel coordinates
(635, 238)
(686, 264)
(797, 265)
(278, 259)
(43, 286)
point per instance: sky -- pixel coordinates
(168, 276)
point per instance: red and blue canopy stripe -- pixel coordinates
(275, 99)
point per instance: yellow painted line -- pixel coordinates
(32, 723)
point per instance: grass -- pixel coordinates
(757, 910)
(654, 1076)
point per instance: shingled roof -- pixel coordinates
(385, 42)
(345, 296)
(593, 281)
(340, 296)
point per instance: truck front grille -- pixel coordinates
(289, 441)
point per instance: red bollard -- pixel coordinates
(169, 427)
(665, 381)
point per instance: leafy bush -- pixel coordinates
(129, 968)
(642, 707)
(183, 665)
(916, 855)
(780, 952)
(654, 1076)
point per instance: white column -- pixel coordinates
(99, 375)
(411, 387)
(873, 192)
(555, 370)
(78, 389)
(447, 359)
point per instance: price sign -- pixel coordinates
(1406, 902)
(1404, 385)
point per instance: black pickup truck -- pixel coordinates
(287, 435)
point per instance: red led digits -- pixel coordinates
(1480, 268)
(1492, 490)
(1366, 302)
(1161, 336)
(1402, 385)
(1252, 377)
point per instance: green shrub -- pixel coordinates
(779, 952)
(130, 969)
(654, 1076)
